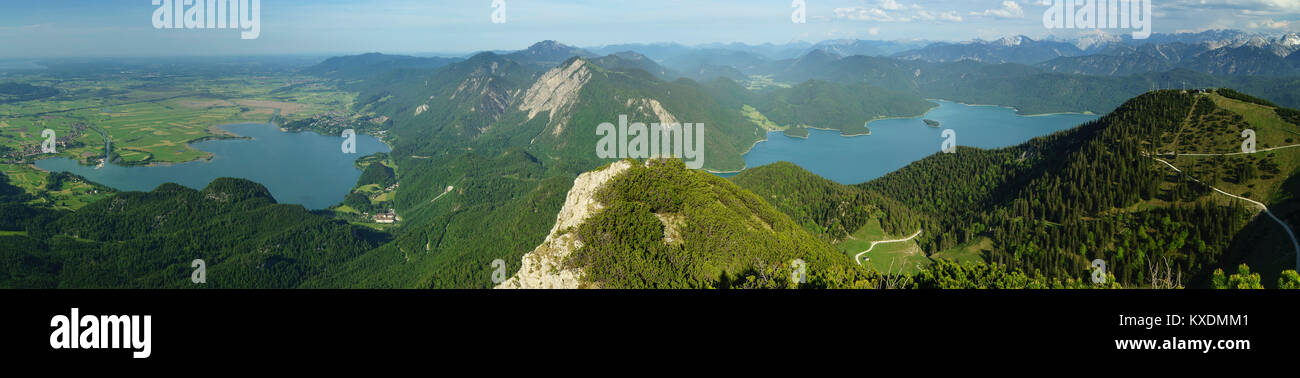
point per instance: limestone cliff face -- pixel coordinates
(556, 92)
(651, 106)
(543, 268)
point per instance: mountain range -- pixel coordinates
(509, 136)
(494, 154)
(1017, 49)
(1160, 52)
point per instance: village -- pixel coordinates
(388, 217)
(333, 122)
(69, 140)
(391, 216)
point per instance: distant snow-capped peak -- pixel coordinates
(1291, 39)
(1011, 41)
(1100, 38)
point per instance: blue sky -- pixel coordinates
(45, 28)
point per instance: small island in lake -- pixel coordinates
(865, 131)
(796, 132)
(931, 123)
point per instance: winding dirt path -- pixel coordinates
(1285, 227)
(858, 257)
(1231, 154)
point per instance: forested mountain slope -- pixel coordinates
(1015, 49)
(824, 207)
(847, 108)
(1057, 202)
(148, 240)
(364, 66)
(1124, 60)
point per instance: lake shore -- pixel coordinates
(221, 134)
(1017, 110)
(842, 134)
(298, 168)
(923, 114)
(896, 142)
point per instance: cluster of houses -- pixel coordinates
(60, 141)
(388, 218)
(337, 119)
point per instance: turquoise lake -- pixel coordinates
(303, 168)
(895, 143)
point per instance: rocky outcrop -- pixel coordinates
(652, 106)
(555, 92)
(543, 268)
(485, 94)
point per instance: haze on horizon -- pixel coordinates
(122, 28)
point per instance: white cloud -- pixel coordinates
(1009, 10)
(890, 5)
(874, 31)
(1271, 24)
(1260, 5)
(1245, 7)
(864, 14)
(893, 11)
(950, 16)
